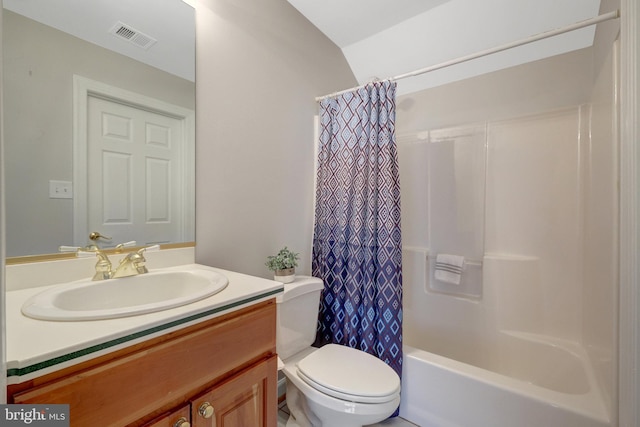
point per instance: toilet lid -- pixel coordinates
(349, 374)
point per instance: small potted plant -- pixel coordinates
(283, 265)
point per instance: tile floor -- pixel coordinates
(283, 416)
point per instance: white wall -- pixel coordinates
(260, 64)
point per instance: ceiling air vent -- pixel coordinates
(132, 35)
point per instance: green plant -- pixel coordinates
(283, 260)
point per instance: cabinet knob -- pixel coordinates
(206, 410)
(182, 422)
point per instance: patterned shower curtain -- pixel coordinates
(357, 241)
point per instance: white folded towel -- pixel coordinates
(449, 268)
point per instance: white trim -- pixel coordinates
(629, 300)
(82, 88)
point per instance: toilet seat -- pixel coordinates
(349, 374)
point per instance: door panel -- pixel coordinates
(247, 399)
(135, 173)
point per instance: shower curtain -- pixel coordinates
(357, 247)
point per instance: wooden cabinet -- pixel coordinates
(228, 361)
(240, 401)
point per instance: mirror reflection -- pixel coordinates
(99, 101)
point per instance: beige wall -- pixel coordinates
(39, 65)
(260, 65)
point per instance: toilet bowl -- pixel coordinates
(332, 386)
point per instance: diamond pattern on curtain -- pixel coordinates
(357, 248)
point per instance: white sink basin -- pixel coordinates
(107, 299)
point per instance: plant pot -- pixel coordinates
(285, 276)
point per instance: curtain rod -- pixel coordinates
(578, 25)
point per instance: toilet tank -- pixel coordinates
(297, 315)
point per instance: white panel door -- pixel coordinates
(134, 160)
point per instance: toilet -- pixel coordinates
(331, 386)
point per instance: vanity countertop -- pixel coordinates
(37, 347)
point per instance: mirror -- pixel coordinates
(59, 59)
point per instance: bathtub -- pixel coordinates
(528, 381)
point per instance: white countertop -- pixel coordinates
(38, 347)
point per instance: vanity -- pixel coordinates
(209, 362)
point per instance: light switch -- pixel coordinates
(60, 189)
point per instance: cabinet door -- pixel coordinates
(176, 418)
(246, 399)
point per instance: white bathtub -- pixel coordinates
(531, 381)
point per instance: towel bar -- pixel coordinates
(474, 263)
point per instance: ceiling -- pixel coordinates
(386, 38)
(170, 22)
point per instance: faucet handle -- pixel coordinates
(125, 245)
(86, 254)
(81, 252)
(140, 252)
(68, 248)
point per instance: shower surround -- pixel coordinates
(529, 339)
